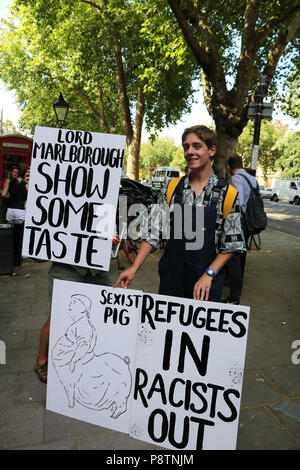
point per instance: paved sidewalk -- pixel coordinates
(270, 410)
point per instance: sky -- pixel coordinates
(198, 115)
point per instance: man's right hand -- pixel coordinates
(125, 278)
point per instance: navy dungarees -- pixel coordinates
(180, 269)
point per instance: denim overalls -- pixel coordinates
(179, 269)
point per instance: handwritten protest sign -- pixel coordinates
(92, 353)
(72, 197)
(165, 370)
(189, 370)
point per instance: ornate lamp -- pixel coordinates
(61, 108)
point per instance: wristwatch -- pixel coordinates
(210, 272)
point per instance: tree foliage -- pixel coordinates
(95, 53)
(160, 152)
(9, 126)
(39, 59)
(291, 92)
(120, 63)
(234, 42)
(288, 148)
(268, 151)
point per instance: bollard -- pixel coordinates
(6, 249)
(2, 352)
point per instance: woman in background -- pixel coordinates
(16, 193)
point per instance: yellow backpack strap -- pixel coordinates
(229, 199)
(171, 188)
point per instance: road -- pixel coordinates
(283, 216)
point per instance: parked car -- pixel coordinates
(265, 192)
(287, 189)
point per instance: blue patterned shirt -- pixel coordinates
(229, 235)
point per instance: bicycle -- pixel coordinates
(137, 194)
(130, 249)
(255, 239)
(128, 246)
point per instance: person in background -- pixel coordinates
(236, 266)
(14, 173)
(187, 170)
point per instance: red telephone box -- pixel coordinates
(14, 149)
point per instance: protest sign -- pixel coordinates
(189, 371)
(72, 197)
(165, 370)
(92, 353)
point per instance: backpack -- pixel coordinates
(228, 200)
(255, 218)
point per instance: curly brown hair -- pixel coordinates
(208, 136)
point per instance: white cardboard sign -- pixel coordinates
(92, 352)
(165, 370)
(72, 197)
(189, 372)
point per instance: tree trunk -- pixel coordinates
(134, 144)
(124, 100)
(133, 160)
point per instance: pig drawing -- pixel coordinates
(98, 382)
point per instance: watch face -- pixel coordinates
(210, 272)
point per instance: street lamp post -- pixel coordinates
(259, 110)
(258, 116)
(61, 109)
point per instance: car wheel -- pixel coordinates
(297, 200)
(275, 198)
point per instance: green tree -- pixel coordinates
(178, 159)
(9, 126)
(38, 60)
(234, 42)
(268, 151)
(158, 152)
(291, 92)
(94, 51)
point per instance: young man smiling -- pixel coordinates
(195, 273)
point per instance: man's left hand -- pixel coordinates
(202, 287)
